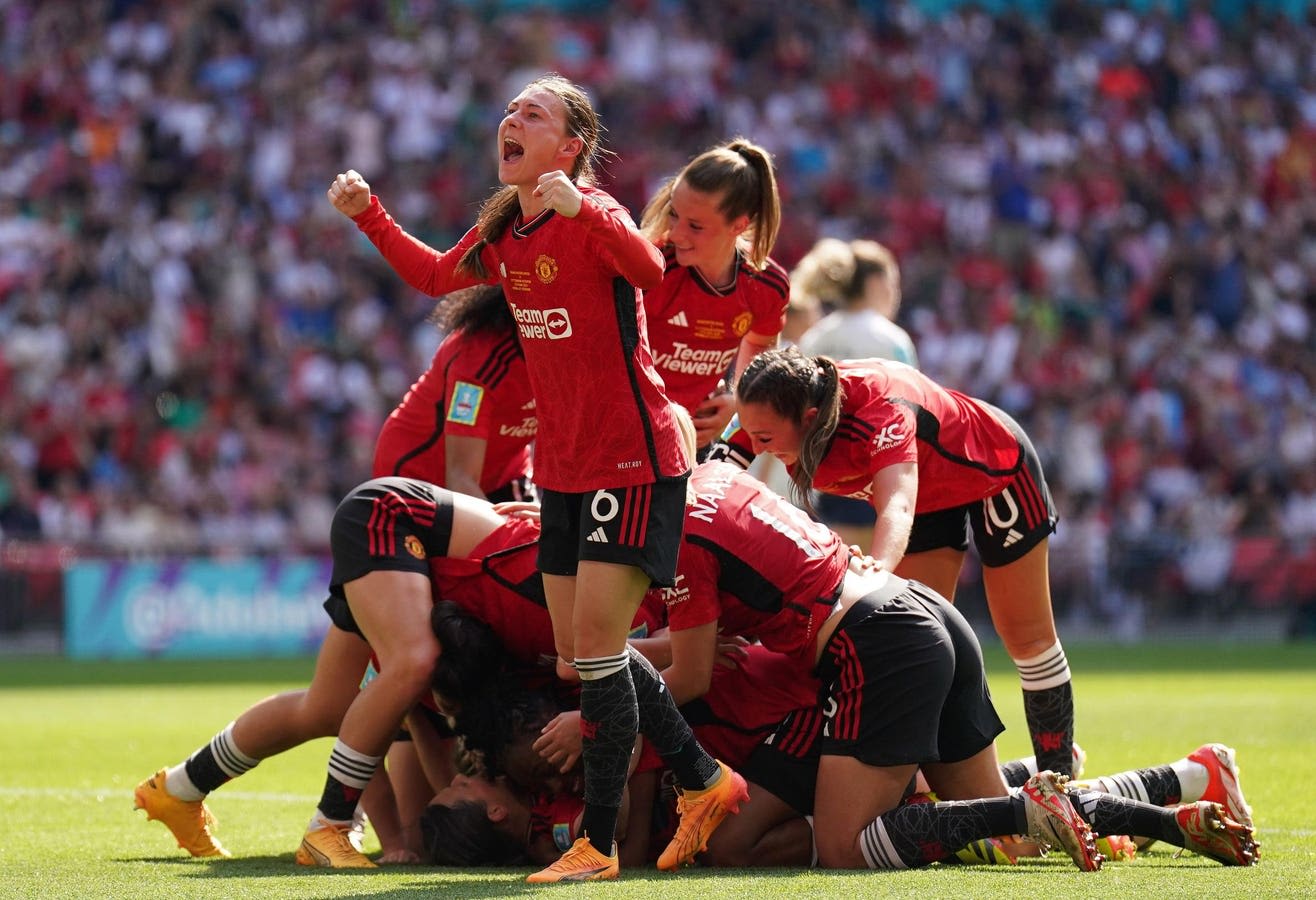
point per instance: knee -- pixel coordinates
(412, 668)
(839, 852)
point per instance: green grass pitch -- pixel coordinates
(77, 737)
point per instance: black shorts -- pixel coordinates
(636, 526)
(515, 491)
(393, 524)
(834, 510)
(903, 682)
(1006, 525)
(786, 763)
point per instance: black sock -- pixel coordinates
(663, 725)
(204, 772)
(1108, 814)
(609, 721)
(1050, 717)
(349, 773)
(916, 834)
(1158, 786)
(218, 762)
(1015, 773)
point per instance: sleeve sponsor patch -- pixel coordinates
(464, 408)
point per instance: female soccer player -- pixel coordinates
(934, 464)
(572, 266)
(385, 535)
(467, 423)
(723, 299)
(903, 689)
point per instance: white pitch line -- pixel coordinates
(127, 792)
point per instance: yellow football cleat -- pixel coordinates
(189, 820)
(701, 812)
(330, 847)
(583, 862)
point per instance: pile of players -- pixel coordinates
(602, 653)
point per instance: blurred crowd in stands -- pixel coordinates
(1105, 219)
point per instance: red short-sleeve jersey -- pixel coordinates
(476, 386)
(754, 563)
(892, 413)
(695, 329)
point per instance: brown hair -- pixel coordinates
(478, 309)
(741, 172)
(501, 208)
(790, 383)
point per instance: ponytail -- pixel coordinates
(790, 383)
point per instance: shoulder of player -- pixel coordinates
(772, 276)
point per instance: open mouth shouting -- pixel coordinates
(512, 151)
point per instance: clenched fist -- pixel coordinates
(349, 193)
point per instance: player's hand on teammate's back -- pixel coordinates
(349, 193)
(560, 193)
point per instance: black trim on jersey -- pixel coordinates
(855, 428)
(742, 581)
(698, 712)
(531, 588)
(772, 275)
(624, 304)
(495, 368)
(928, 430)
(724, 451)
(440, 416)
(525, 229)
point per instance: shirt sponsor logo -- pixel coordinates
(675, 595)
(888, 437)
(464, 408)
(546, 268)
(529, 425)
(689, 360)
(541, 325)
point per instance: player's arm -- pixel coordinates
(734, 446)
(694, 651)
(895, 493)
(632, 254)
(714, 414)
(463, 462)
(418, 264)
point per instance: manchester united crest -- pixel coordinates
(546, 268)
(740, 324)
(414, 546)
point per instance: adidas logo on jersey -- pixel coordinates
(598, 536)
(1012, 538)
(679, 320)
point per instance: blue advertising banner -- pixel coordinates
(195, 608)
